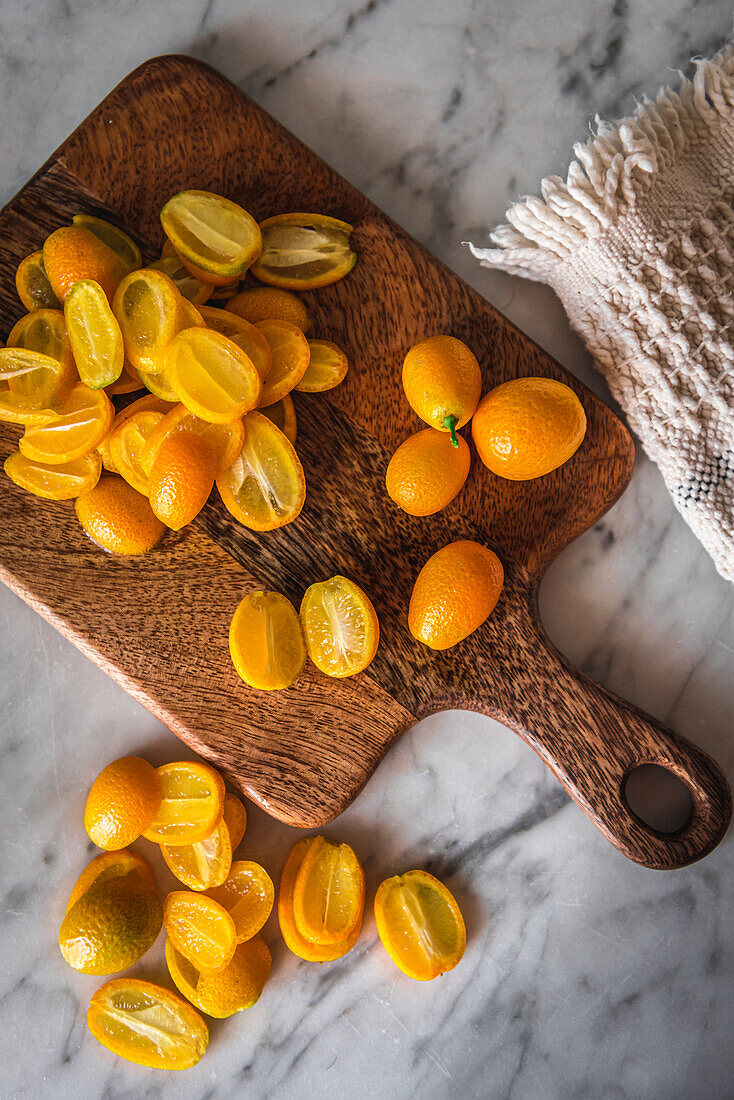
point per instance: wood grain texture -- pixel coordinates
(159, 625)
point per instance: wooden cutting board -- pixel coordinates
(158, 625)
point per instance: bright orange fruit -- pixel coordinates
(340, 626)
(304, 251)
(242, 333)
(265, 486)
(121, 244)
(247, 895)
(64, 481)
(200, 929)
(235, 818)
(181, 478)
(456, 590)
(267, 303)
(527, 427)
(82, 422)
(191, 806)
(226, 440)
(119, 518)
(266, 641)
(147, 1024)
(31, 282)
(205, 863)
(327, 367)
(215, 237)
(233, 988)
(420, 925)
(295, 941)
(427, 472)
(328, 894)
(121, 803)
(127, 442)
(72, 253)
(109, 865)
(443, 382)
(290, 356)
(213, 377)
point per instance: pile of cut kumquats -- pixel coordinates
(217, 411)
(215, 956)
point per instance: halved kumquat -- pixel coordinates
(212, 376)
(191, 806)
(235, 818)
(95, 336)
(295, 941)
(127, 441)
(340, 626)
(247, 895)
(283, 415)
(233, 988)
(328, 894)
(200, 929)
(290, 354)
(215, 236)
(420, 925)
(327, 367)
(265, 486)
(203, 864)
(31, 282)
(82, 422)
(266, 641)
(304, 251)
(63, 481)
(147, 1024)
(242, 333)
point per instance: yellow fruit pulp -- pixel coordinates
(233, 988)
(328, 894)
(200, 929)
(82, 422)
(63, 481)
(294, 940)
(265, 486)
(191, 806)
(304, 251)
(247, 895)
(212, 376)
(266, 641)
(147, 1024)
(327, 367)
(203, 864)
(94, 334)
(212, 233)
(340, 626)
(420, 925)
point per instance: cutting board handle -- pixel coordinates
(592, 740)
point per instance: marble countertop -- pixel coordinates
(585, 975)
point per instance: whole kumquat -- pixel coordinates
(118, 518)
(72, 253)
(443, 382)
(456, 590)
(427, 472)
(528, 427)
(121, 803)
(181, 478)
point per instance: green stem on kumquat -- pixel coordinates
(449, 422)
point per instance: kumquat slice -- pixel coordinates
(95, 336)
(340, 625)
(191, 806)
(420, 925)
(242, 333)
(328, 894)
(64, 481)
(81, 424)
(266, 641)
(295, 941)
(220, 993)
(212, 376)
(265, 487)
(31, 282)
(327, 367)
(214, 235)
(147, 1024)
(290, 353)
(304, 251)
(247, 895)
(200, 929)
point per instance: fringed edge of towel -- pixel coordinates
(611, 171)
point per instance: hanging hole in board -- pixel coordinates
(658, 798)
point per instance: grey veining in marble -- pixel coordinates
(585, 976)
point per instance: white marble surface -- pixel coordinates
(585, 976)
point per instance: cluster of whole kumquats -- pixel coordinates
(215, 956)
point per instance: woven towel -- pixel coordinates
(638, 243)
